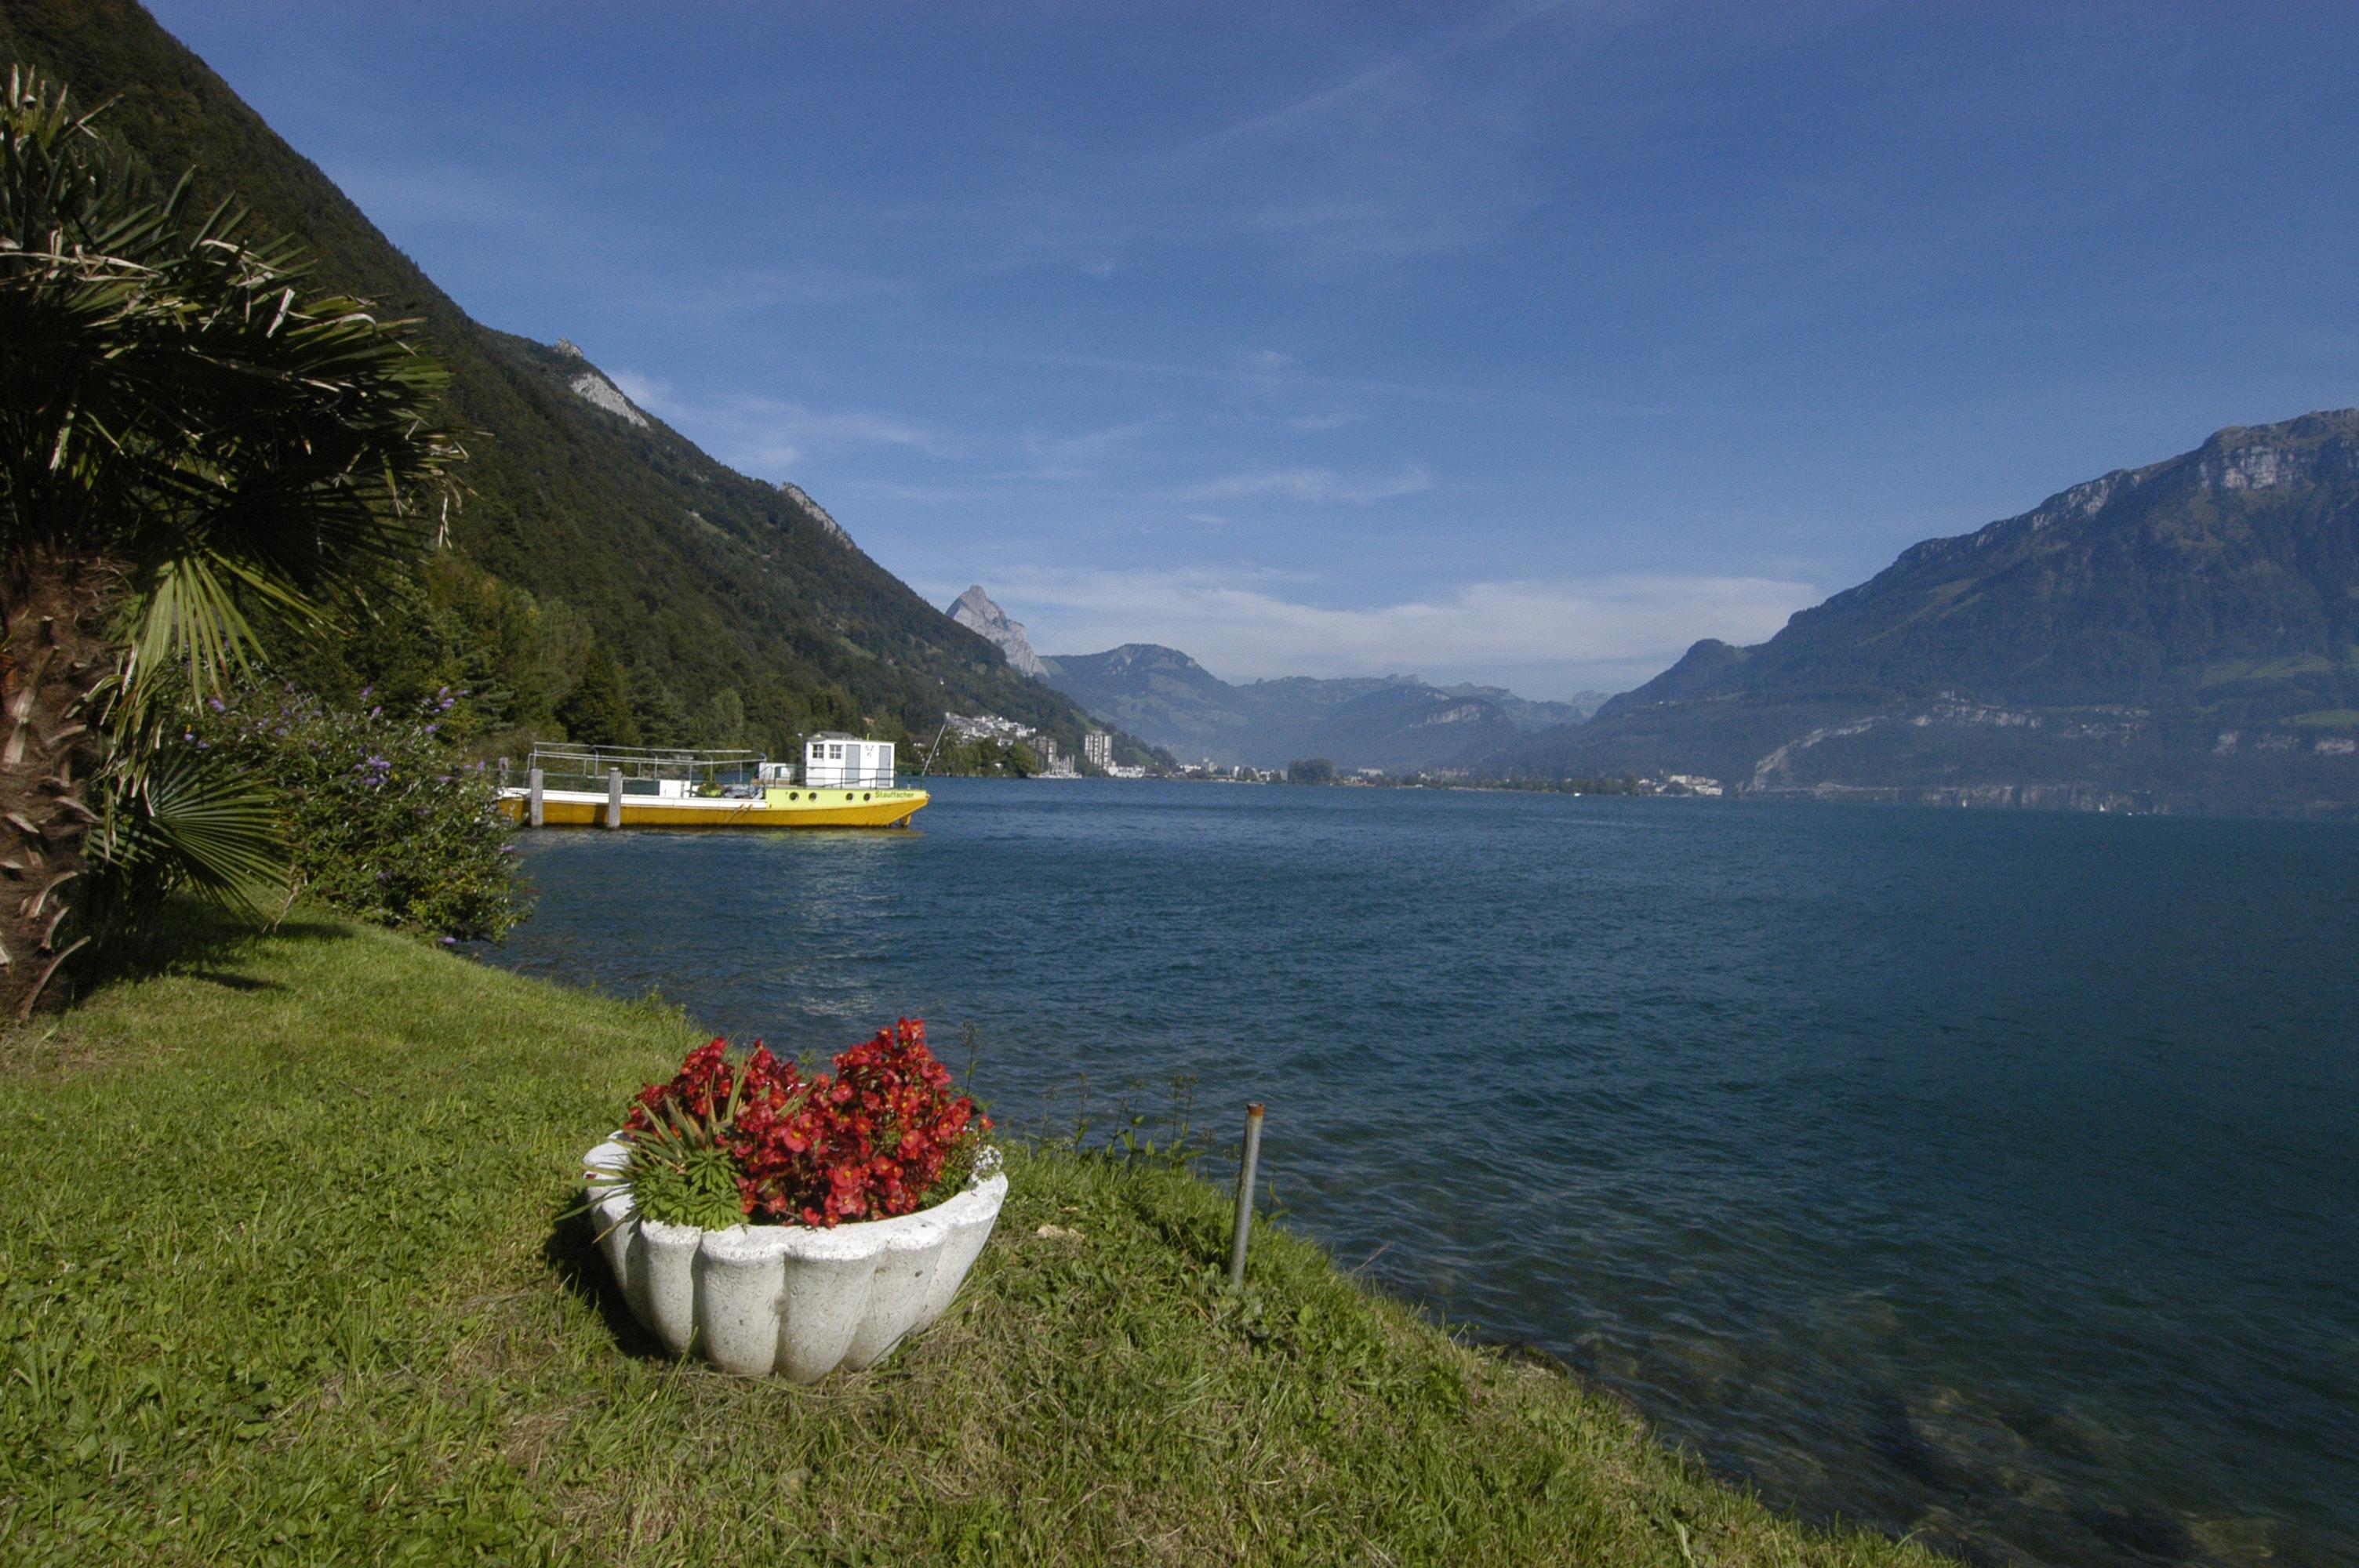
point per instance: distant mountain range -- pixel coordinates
(2184, 635)
(1166, 700)
(1399, 722)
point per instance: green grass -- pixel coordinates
(283, 1279)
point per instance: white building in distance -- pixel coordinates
(988, 727)
(1097, 747)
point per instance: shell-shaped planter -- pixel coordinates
(792, 1299)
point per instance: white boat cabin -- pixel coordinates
(835, 761)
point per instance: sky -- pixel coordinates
(1524, 344)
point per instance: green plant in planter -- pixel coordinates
(682, 1170)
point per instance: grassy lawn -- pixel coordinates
(283, 1279)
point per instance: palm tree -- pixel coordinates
(188, 449)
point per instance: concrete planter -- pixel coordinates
(786, 1299)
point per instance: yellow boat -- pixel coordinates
(844, 782)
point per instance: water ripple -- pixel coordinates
(1985, 1175)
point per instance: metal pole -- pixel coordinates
(1243, 1230)
(613, 798)
(534, 784)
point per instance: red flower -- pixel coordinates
(868, 1142)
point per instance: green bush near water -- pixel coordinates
(383, 818)
(283, 1280)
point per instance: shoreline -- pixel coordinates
(320, 1281)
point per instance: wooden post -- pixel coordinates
(613, 798)
(533, 785)
(1243, 1230)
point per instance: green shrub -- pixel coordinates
(383, 819)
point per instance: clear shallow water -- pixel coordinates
(1985, 1174)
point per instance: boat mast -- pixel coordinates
(928, 765)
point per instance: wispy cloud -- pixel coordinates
(1422, 153)
(1308, 484)
(768, 288)
(1077, 457)
(1550, 637)
(767, 435)
(921, 494)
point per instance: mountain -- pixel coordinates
(974, 611)
(1398, 723)
(1526, 713)
(2184, 635)
(1160, 694)
(736, 606)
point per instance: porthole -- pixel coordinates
(792, 794)
(868, 798)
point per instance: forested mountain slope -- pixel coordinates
(591, 523)
(2187, 630)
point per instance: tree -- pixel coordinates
(1312, 770)
(656, 711)
(188, 452)
(597, 711)
(723, 722)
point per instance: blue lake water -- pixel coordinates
(1989, 1176)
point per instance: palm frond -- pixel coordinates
(184, 820)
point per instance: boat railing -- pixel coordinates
(722, 771)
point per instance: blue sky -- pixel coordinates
(1524, 343)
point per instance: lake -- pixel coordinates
(1989, 1175)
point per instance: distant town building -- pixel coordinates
(1097, 747)
(988, 727)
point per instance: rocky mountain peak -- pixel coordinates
(591, 385)
(802, 498)
(1151, 656)
(974, 611)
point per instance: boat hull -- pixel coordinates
(806, 808)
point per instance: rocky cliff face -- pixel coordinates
(592, 386)
(974, 611)
(800, 498)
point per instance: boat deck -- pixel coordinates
(793, 807)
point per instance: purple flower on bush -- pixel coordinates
(333, 769)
